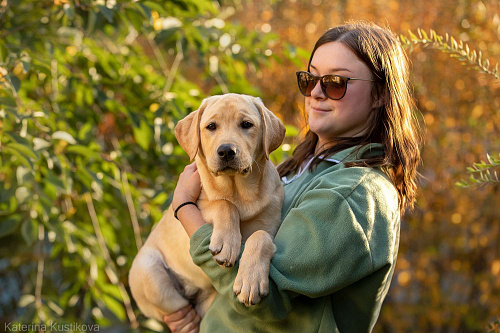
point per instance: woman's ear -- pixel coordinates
(380, 100)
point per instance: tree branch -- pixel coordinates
(111, 272)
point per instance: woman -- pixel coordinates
(346, 186)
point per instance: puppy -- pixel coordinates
(230, 137)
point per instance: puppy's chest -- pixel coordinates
(248, 210)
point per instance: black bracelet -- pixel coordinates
(182, 205)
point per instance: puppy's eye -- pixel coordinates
(246, 124)
(211, 127)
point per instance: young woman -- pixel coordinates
(346, 186)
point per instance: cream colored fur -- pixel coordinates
(241, 198)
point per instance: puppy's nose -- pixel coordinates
(226, 152)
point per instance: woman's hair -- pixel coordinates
(395, 125)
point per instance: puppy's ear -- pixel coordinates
(273, 128)
(187, 131)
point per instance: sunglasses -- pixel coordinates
(333, 86)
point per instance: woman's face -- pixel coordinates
(349, 116)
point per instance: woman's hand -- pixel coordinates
(186, 320)
(188, 187)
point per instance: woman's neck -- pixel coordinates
(322, 145)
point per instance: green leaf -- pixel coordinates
(412, 35)
(29, 230)
(160, 198)
(25, 150)
(16, 83)
(91, 22)
(3, 52)
(17, 138)
(70, 12)
(454, 44)
(26, 300)
(9, 225)
(144, 10)
(39, 144)
(114, 306)
(143, 135)
(153, 6)
(61, 135)
(106, 12)
(26, 66)
(24, 175)
(84, 177)
(22, 159)
(84, 131)
(136, 18)
(8, 101)
(83, 151)
(424, 34)
(55, 181)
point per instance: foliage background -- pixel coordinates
(90, 92)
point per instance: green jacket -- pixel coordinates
(336, 252)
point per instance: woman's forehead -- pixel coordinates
(334, 57)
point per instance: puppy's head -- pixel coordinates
(230, 132)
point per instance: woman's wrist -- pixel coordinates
(190, 218)
(178, 201)
(176, 210)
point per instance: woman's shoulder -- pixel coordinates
(348, 180)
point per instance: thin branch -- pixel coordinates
(131, 208)
(55, 86)
(158, 56)
(450, 45)
(19, 102)
(39, 275)
(128, 195)
(4, 6)
(221, 83)
(173, 71)
(111, 272)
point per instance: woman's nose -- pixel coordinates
(317, 92)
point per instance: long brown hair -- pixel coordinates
(395, 125)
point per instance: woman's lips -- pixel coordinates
(319, 109)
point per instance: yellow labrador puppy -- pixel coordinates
(230, 136)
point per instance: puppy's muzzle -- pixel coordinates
(230, 161)
(226, 152)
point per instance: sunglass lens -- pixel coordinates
(306, 83)
(335, 86)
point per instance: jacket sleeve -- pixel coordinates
(322, 247)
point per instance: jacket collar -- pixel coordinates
(355, 153)
(352, 154)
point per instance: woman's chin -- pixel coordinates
(320, 127)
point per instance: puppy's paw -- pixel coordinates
(225, 247)
(251, 283)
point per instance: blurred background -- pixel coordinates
(90, 91)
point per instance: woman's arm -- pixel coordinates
(188, 190)
(323, 245)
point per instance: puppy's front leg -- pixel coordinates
(252, 280)
(225, 243)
